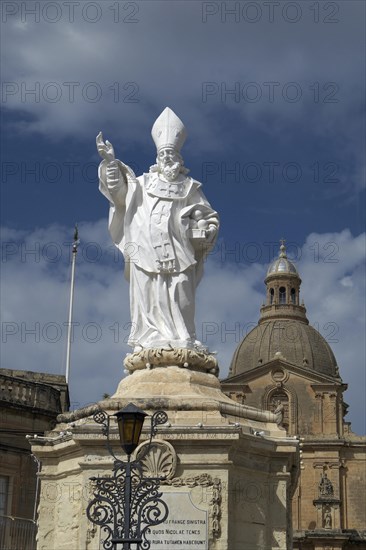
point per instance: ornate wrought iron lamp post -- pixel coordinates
(126, 504)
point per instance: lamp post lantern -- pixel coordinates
(130, 421)
(125, 504)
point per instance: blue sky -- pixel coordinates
(272, 96)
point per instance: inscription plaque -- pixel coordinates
(186, 526)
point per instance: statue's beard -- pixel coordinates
(170, 171)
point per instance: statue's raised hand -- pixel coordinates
(105, 150)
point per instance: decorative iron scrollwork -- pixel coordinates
(127, 504)
(100, 417)
(158, 418)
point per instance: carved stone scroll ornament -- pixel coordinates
(180, 357)
(204, 480)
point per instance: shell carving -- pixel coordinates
(160, 461)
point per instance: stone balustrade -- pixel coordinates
(29, 394)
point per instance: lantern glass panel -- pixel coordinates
(130, 421)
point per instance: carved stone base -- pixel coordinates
(191, 396)
(184, 386)
(178, 357)
(216, 473)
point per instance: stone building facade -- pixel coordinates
(286, 366)
(29, 404)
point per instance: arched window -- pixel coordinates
(271, 296)
(282, 292)
(293, 296)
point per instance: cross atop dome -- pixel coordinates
(283, 249)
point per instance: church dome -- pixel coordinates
(283, 330)
(292, 340)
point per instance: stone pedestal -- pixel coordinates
(229, 468)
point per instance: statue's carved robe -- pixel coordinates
(149, 223)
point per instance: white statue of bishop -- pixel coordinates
(164, 227)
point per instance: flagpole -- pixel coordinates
(71, 304)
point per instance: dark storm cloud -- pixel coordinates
(288, 69)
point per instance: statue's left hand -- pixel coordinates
(105, 150)
(211, 232)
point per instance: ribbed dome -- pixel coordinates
(296, 341)
(281, 264)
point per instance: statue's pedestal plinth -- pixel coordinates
(229, 469)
